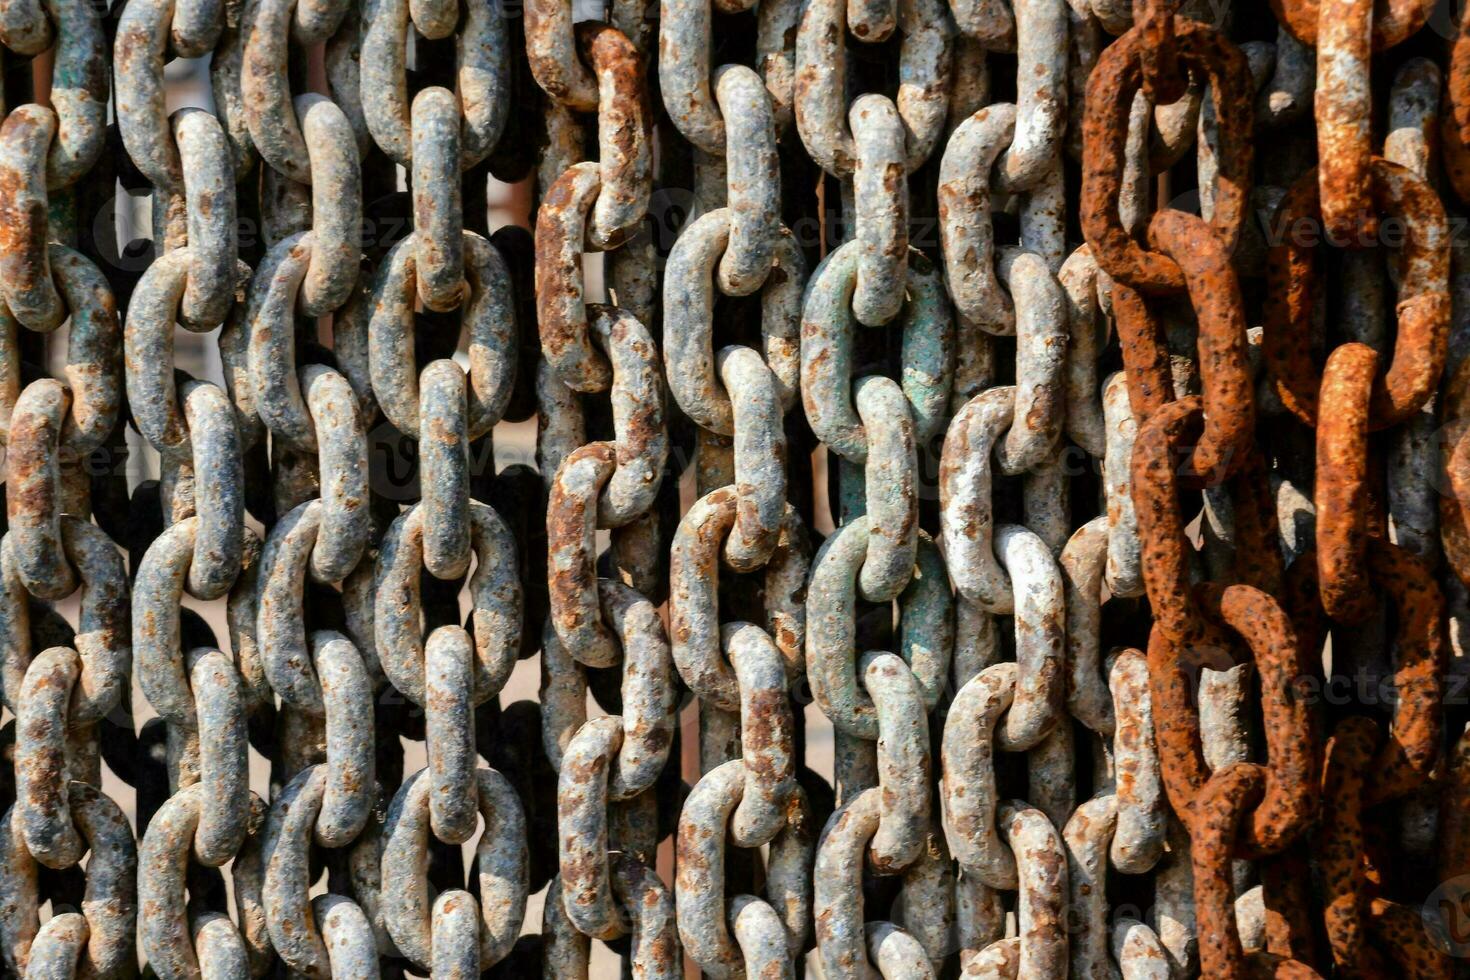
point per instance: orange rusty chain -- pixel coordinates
(1000, 504)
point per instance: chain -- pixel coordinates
(839, 488)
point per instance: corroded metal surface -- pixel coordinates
(1000, 503)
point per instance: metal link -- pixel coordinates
(552, 53)
(164, 934)
(821, 82)
(1040, 359)
(212, 229)
(881, 210)
(694, 560)
(1423, 307)
(488, 313)
(1138, 841)
(27, 289)
(1110, 89)
(495, 602)
(281, 131)
(99, 940)
(296, 934)
(500, 855)
(41, 725)
(647, 693)
(34, 492)
(759, 458)
(49, 148)
(1041, 103)
(831, 626)
(482, 67)
(688, 340)
(706, 924)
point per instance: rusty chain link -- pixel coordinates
(840, 488)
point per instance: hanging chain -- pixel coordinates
(1000, 503)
